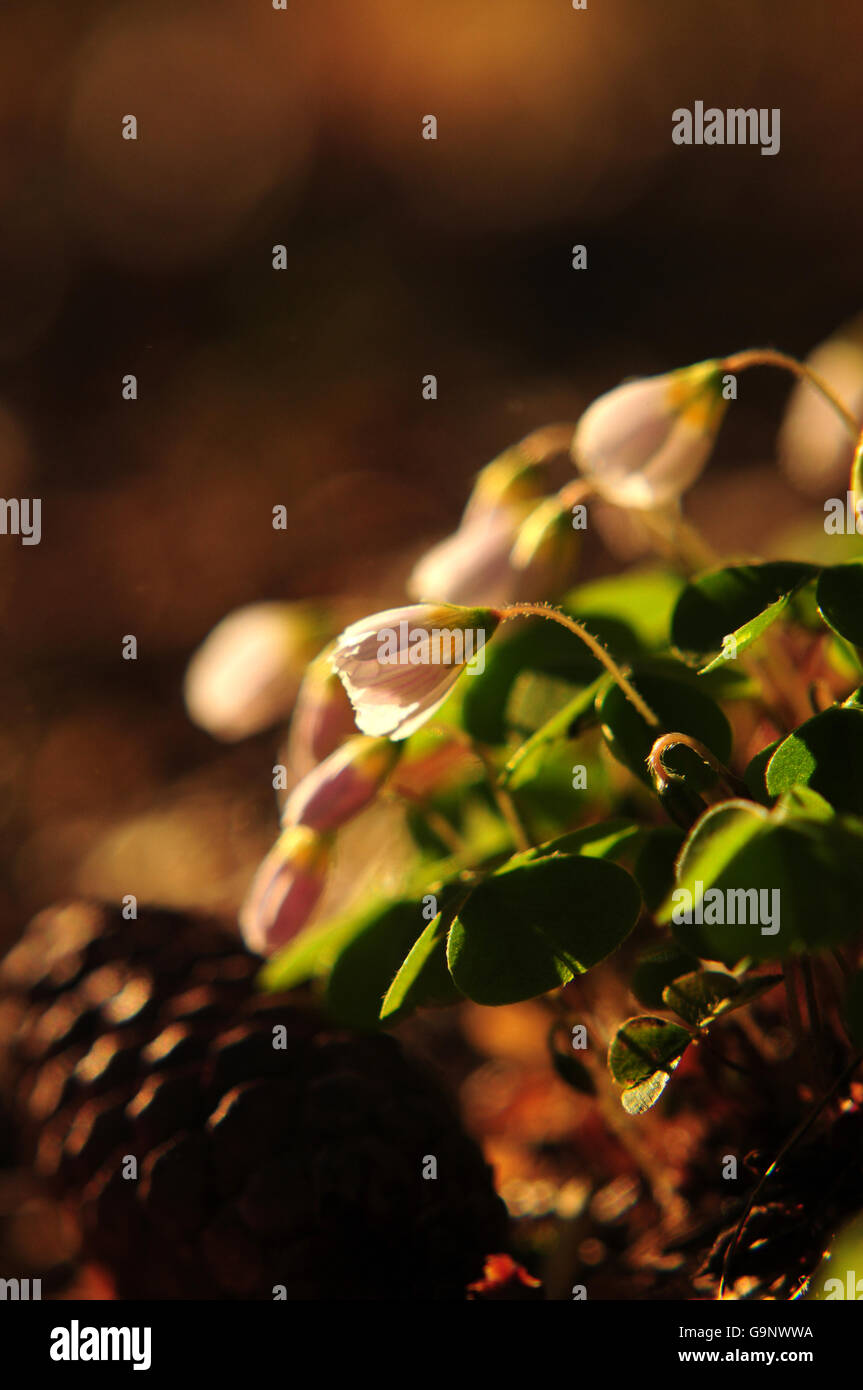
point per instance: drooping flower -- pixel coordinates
(472, 566)
(644, 443)
(400, 665)
(341, 786)
(322, 718)
(245, 675)
(285, 889)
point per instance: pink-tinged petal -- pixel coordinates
(393, 681)
(342, 786)
(644, 443)
(322, 717)
(472, 566)
(285, 890)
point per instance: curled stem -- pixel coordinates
(542, 444)
(545, 610)
(768, 357)
(662, 776)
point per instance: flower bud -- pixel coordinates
(545, 552)
(472, 566)
(512, 480)
(285, 890)
(322, 717)
(644, 443)
(342, 785)
(399, 666)
(246, 673)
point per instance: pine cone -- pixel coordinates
(259, 1167)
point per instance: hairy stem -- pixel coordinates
(768, 357)
(545, 610)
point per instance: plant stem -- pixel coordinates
(545, 610)
(768, 357)
(684, 540)
(437, 823)
(545, 442)
(504, 801)
(662, 776)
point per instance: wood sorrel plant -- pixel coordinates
(598, 788)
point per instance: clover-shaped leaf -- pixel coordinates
(753, 883)
(826, 754)
(657, 968)
(705, 995)
(642, 1056)
(532, 927)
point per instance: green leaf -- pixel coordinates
(528, 645)
(699, 997)
(365, 967)
(534, 926)
(642, 1056)
(654, 865)
(825, 754)
(839, 593)
(680, 706)
(570, 721)
(739, 602)
(312, 953)
(853, 1009)
(755, 773)
(705, 995)
(605, 839)
(656, 969)
(423, 978)
(643, 1095)
(535, 699)
(794, 877)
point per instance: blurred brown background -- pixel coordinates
(303, 387)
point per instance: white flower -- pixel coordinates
(245, 675)
(399, 666)
(285, 890)
(644, 443)
(342, 785)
